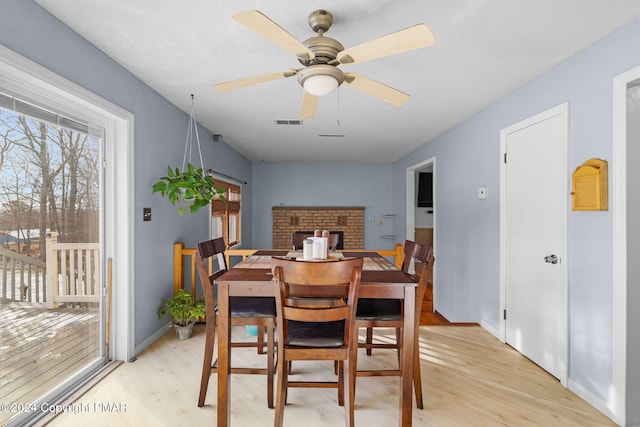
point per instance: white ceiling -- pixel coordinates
(484, 50)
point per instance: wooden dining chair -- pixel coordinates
(388, 313)
(412, 251)
(260, 311)
(316, 303)
(297, 240)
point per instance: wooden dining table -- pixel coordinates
(380, 279)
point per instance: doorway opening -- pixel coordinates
(421, 227)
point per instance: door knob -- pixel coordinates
(552, 259)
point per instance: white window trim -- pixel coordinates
(24, 77)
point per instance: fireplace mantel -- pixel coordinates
(289, 219)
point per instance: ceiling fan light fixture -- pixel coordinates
(320, 80)
(320, 85)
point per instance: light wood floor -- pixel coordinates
(469, 379)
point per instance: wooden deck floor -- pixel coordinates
(40, 348)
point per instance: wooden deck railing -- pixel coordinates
(186, 256)
(71, 273)
(22, 278)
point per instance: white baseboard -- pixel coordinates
(150, 340)
(592, 399)
(490, 329)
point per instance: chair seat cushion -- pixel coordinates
(379, 309)
(311, 334)
(252, 306)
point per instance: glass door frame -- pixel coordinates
(26, 78)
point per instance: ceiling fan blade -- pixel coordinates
(309, 106)
(376, 89)
(248, 81)
(401, 41)
(263, 25)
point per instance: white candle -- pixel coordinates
(307, 249)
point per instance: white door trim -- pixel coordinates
(30, 79)
(619, 242)
(562, 109)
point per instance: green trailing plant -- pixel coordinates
(183, 308)
(189, 187)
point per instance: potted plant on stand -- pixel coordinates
(185, 311)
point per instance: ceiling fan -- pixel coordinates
(321, 56)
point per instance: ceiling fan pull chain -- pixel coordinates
(338, 116)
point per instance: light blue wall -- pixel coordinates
(323, 184)
(160, 131)
(467, 229)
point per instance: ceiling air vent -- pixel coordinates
(289, 122)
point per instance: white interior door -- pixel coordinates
(534, 225)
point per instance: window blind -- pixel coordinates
(44, 114)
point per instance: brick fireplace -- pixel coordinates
(348, 220)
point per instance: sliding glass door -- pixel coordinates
(52, 308)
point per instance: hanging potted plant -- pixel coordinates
(185, 311)
(190, 186)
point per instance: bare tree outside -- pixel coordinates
(49, 182)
